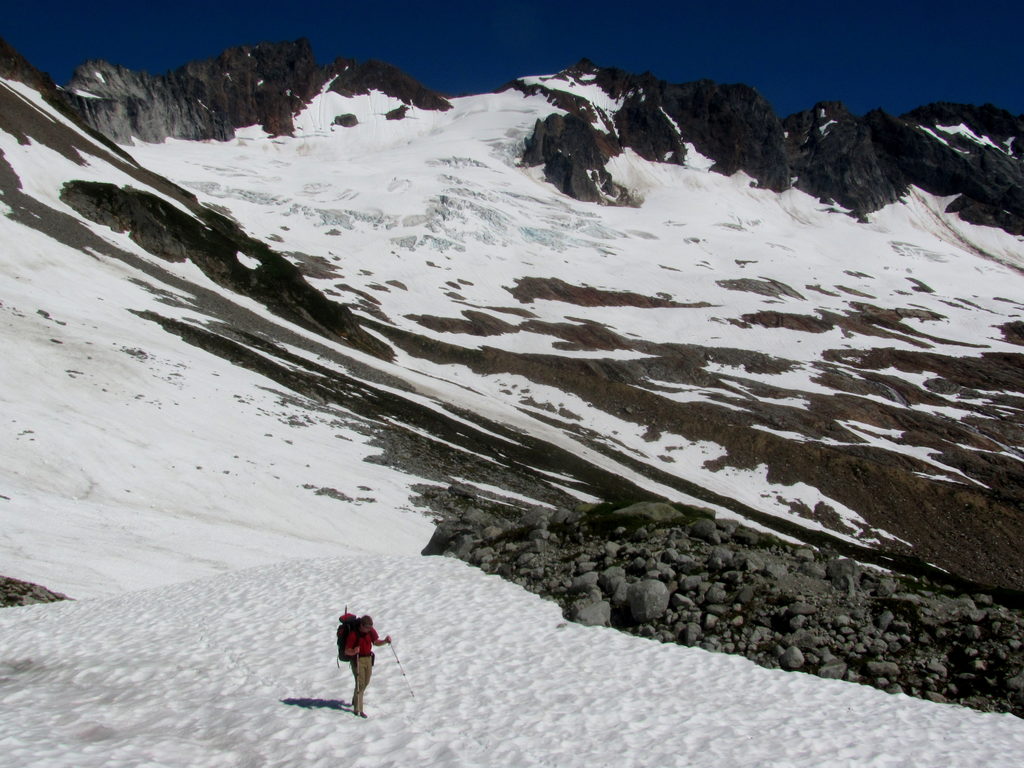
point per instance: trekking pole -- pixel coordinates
(403, 670)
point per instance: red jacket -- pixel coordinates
(361, 643)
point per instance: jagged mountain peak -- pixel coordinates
(208, 99)
(985, 117)
(859, 164)
(660, 121)
(968, 124)
(353, 77)
(262, 58)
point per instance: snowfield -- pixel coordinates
(238, 670)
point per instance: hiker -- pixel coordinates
(359, 647)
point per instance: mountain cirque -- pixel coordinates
(831, 369)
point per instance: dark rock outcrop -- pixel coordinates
(14, 66)
(733, 124)
(529, 289)
(974, 153)
(574, 157)
(980, 157)
(833, 158)
(14, 592)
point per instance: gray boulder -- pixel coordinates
(716, 594)
(691, 634)
(746, 594)
(658, 511)
(536, 517)
(886, 588)
(801, 609)
(720, 558)
(887, 669)
(746, 537)
(791, 658)
(686, 564)
(439, 540)
(610, 577)
(584, 582)
(705, 530)
(833, 670)
(775, 570)
(613, 583)
(844, 574)
(749, 561)
(595, 614)
(648, 600)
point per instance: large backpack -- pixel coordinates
(347, 622)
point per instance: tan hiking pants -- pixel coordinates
(362, 668)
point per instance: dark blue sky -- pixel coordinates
(895, 55)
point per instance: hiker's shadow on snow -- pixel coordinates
(342, 706)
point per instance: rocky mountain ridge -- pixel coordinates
(860, 163)
(974, 154)
(262, 85)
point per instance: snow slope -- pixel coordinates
(132, 459)
(237, 671)
(165, 462)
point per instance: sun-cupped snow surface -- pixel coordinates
(239, 670)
